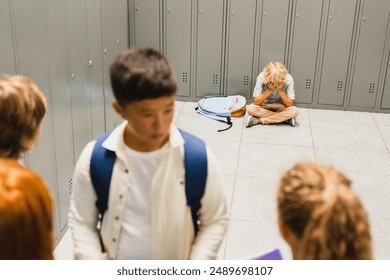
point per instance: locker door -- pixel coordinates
(31, 42)
(178, 42)
(336, 53)
(386, 92)
(209, 47)
(79, 81)
(240, 47)
(371, 40)
(115, 40)
(7, 57)
(307, 19)
(95, 62)
(273, 31)
(61, 104)
(147, 23)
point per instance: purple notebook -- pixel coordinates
(273, 255)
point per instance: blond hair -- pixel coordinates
(275, 74)
(26, 226)
(22, 108)
(317, 204)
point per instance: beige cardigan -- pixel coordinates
(172, 228)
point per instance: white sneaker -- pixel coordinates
(251, 121)
(292, 122)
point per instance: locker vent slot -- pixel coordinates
(246, 80)
(371, 90)
(215, 79)
(340, 85)
(185, 77)
(308, 83)
(70, 185)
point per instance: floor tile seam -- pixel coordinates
(381, 134)
(224, 141)
(315, 147)
(276, 144)
(312, 137)
(234, 190)
(356, 150)
(226, 236)
(227, 174)
(249, 176)
(344, 122)
(382, 124)
(181, 109)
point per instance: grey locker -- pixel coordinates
(79, 76)
(178, 42)
(147, 23)
(95, 65)
(305, 36)
(386, 92)
(274, 22)
(115, 40)
(61, 104)
(371, 39)
(209, 47)
(31, 42)
(240, 47)
(7, 57)
(338, 42)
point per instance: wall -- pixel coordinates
(66, 48)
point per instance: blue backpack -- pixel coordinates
(222, 108)
(195, 162)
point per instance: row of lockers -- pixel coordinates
(337, 51)
(66, 47)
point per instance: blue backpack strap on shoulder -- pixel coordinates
(101, 165)
(195, 163)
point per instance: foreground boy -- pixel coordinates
(147, 215)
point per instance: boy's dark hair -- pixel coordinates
(138, 74)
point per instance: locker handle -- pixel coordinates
(136, 8)
(168, 10)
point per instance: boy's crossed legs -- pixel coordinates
(270, 113)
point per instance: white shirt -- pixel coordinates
(135, 239)
(171, 222)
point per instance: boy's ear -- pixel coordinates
(118, 108)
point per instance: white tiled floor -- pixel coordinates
(252, 160)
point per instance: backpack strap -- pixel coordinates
(195, 163)
(225, 119)
(101, 165)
